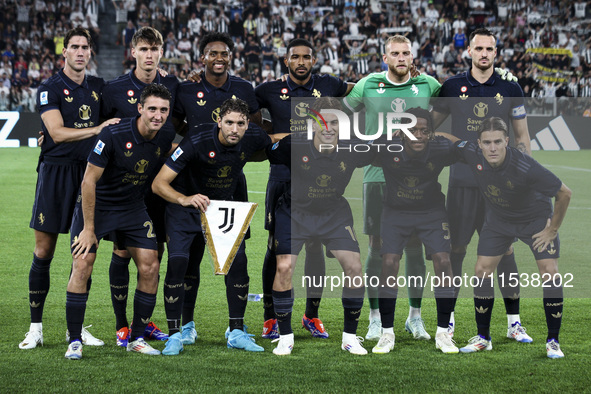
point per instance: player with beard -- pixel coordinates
(478, 93)
(381, 93)
(277, 96)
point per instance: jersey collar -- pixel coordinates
(139, 139)
(139, 84)
(474, 82)
(71, 84)
(293, 86)
(209, 87)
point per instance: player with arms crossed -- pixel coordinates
(517, 192)
(112, 207)
(69, 105)
(393, 90)
(471, 96)
(277, 96)
(323, 214)
(120, 99)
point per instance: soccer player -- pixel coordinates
(517, 192)
(381, 93)
(314, 208)
(470, 97)
(112, 207)
(414, 204)
(69, 105)
(205, 166)
(120, 100)
(276, 96)
(197, 103)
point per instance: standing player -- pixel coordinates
(276, 96)
(471, 96)
(393, 90)
(199, 103)
(516, 189)
(314, 208)
(112, 206)
(206, 165)
(120, 99)
(69, 104)
(414, 204)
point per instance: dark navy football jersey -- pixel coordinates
(79, 106)
(200, 102)
(469, 102)
(276, 97)
(130, 162)
(318, 180)
(518, 191)
(412, 182)
(121, 97)
(207, 167)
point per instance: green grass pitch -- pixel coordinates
(318, 365)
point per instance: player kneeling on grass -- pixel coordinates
(322, 215)
(414, 204)
(112, 207)
(517, 190)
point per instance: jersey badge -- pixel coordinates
(84, 112)
(275, 145)
(224, 171)
(464, 97)
(323, 180)
(41, 218)
(140, 166)
(342, 166)
(215, 114)
(381, 89)
(316, 93)
(98, 148)
(200, 96)
(128, 153)
(479, 167)
(499, 98)
(415, 89)
(462, 144)
(480, 109)
(128, 145)
(398, 105)
(131, 100)
(493, 190)
(177, 153)
(43, 99)
(242, 156)
(284, 95)
(430, 166)
(94, 96)
(411, 181)
(68, 98)
(510, 185)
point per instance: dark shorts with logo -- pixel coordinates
(128, 228)
(373, 195)
(58, 184)
(497, 235)
(156, 207)
(275, 189)
(294, 227)
(431, 227)
(466, 211)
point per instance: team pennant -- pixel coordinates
(224, 224)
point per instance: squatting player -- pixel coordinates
(207, 165)
(314, 208)
(381, 93)
(414, 204)
(517, 192)
(117, 176)
(120, 98)
(276, 96)
(470, 97)
(69, 105)
(197, 103)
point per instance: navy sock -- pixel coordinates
(39, 282)
(283, 301)
(553, 306)
(444, 298)
(387, 301)
(119, 283)
(75, 309)
(269, 269)
(484, 299)
(143, 306)
(352, 303)
(373, 268)
(506, 267)
(457, 260)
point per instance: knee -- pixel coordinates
(148, 270)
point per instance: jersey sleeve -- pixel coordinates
(260, 93)
(464, 150)
(103, 149)
(178, 111)
(47, 99)
(542, 180)
(434, 85)
(517, 103)
(280, 152)
(339, 87)
(107, 109)
(182, 155)
(441, 104)
(354, 100)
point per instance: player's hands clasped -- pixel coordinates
(83, 242)
(544, 237)
(198, 201)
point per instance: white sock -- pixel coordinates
(36, 327)
(414, 312)
(374, 314)
(512, 319)
(452, 319)
(348, 337)
(388, 330)
(441, 329)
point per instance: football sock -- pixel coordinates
(119, 284)
(373, 269)
(174, 287)
(75, 309)
(283, 301)
(312, 305)
(506, 267)
(374, 314)
(512, 319)
(415, 267)
(237, 284)
(414, 312)
(553, 306)
(444, 297)
(143, 306)
(352, 300)
(314, 268)
(457, 259)
(269, 269)
(484, 299)
(236, 323)
(387, 300)
(38, 287)
(174, 326)
(191, 278)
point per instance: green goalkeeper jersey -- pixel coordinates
(377, 94)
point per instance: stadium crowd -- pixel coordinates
(546, 44)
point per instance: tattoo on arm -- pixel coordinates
(521, 147)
